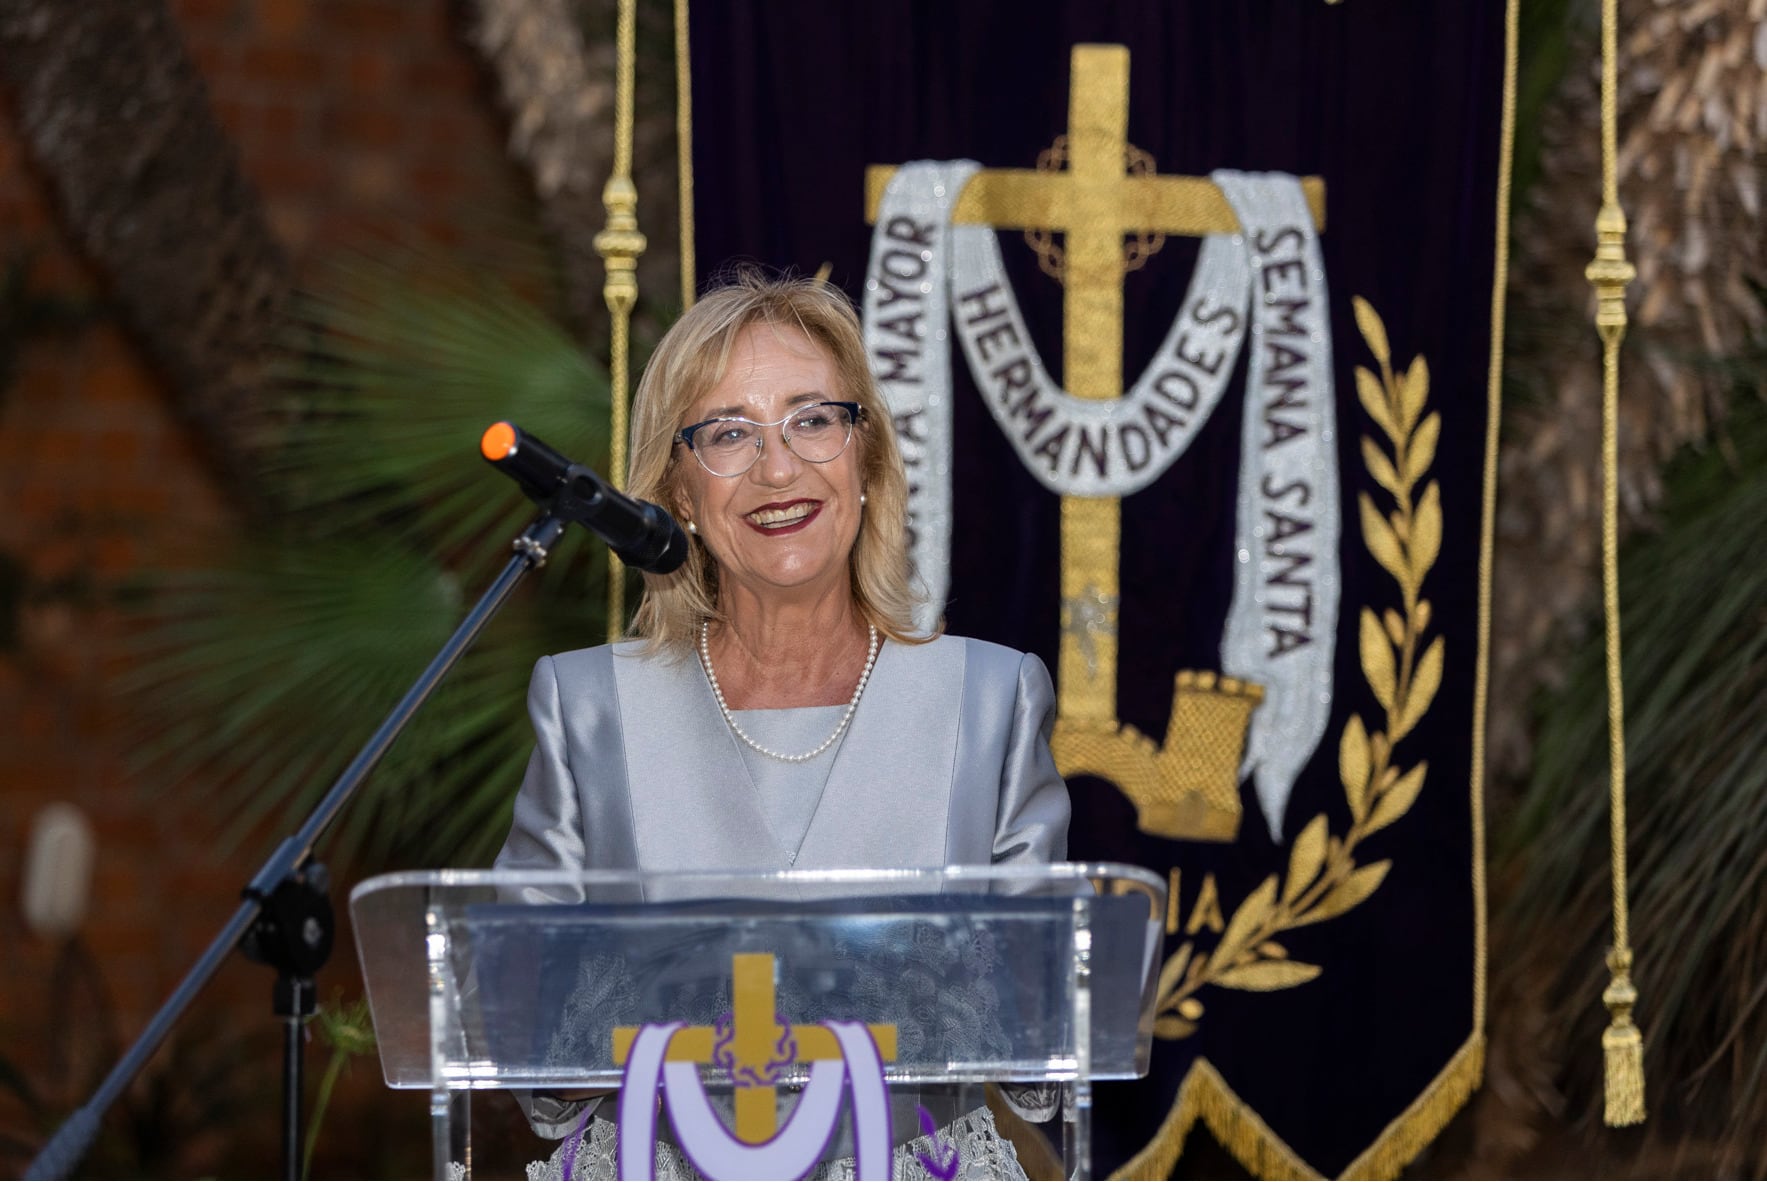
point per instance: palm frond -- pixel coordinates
(257, 680)
(401, 366)
(1695, 650)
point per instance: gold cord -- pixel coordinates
(1487, 522)
(1609, 273)
(684, 150)
(619, 245)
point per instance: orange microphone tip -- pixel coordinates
(497, 442)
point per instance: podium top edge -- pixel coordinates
(1057, 872)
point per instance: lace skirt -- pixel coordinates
(981, 1153)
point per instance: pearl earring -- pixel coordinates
(861, 500)
(692, 528)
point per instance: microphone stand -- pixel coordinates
(285, 919)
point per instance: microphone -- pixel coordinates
(643, 535)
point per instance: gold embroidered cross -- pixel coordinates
(1094, 203)
(756, 1045)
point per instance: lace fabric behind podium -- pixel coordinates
(981, 1153)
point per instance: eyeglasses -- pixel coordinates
(729, 447)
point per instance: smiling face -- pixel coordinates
(786, 527)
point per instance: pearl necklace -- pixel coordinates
(705, 656)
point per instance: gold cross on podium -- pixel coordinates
(757, 1043)
(1094, 203)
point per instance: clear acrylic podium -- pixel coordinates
(756, 985)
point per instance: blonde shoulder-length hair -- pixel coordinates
(691, 358)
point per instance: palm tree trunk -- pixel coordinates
(151, 189)
(558, 91)
(553, 61)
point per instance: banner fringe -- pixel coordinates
(1400, 1142)
(1205, 1095)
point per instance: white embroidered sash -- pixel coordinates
(929, 279)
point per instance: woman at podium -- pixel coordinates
(775, 706)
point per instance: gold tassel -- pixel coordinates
(1622, 1045)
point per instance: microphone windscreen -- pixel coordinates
(497, 441)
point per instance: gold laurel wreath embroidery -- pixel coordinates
(1323, 880)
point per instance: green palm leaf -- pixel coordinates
(258, 679)
(397, 378)
(1695, 648)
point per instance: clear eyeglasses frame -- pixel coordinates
(816, 433)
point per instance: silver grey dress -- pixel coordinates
(946, 761)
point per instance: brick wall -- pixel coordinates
(354, 118)
(353, 114)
